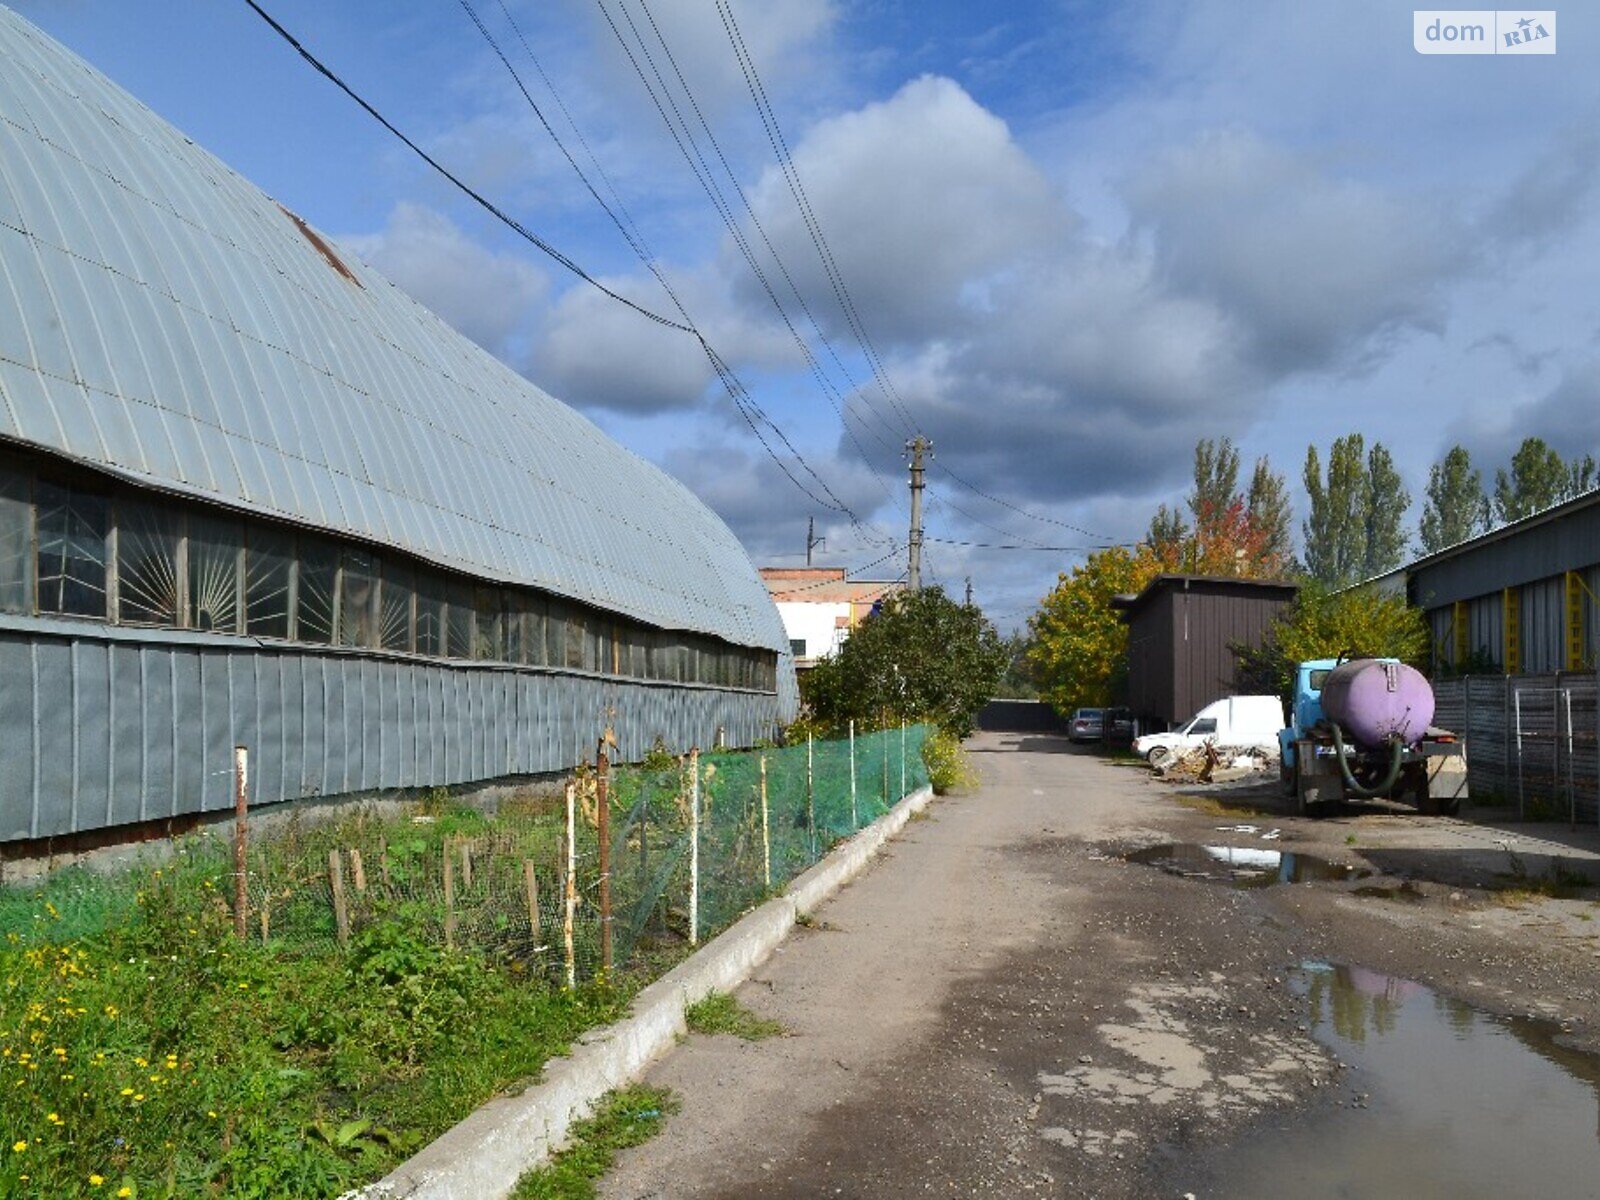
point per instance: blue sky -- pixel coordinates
(1079, 235)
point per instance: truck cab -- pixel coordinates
(1305, 707)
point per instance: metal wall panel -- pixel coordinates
(96, 732)
(1569, 542)
(1544, 625)
(1484, 620)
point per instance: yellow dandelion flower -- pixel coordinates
(124, 1192)
(127, 1091)
(96, 1180)
(19, 1147)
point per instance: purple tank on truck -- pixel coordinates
(1374, 702)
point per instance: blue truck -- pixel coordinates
(1362, 729)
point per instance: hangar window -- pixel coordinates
(533, 632)
(580, 648)
(319, 579)
(486, 645)
(395, 622)
(268, 582)
(214, 548)
(16, 542)
(64, 549)
(149, 538)
(72, 550)
(358, 599)
(430, 614)
(511, 606)
(458, 622)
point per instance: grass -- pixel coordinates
(629, 1117)
(721, 1012)
(1558, 885)
(143, 1047)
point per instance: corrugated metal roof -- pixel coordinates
(162, 318)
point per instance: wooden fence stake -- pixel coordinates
(358, 873)
(266, 906)
(241, 834)
(341, 913)
(383, 861)
(530, 883)
(766, 837)
(449, 897)
(694, 846)
(571, 906)
(602, 800)
(466, 864)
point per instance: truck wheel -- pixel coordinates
(1158, 755)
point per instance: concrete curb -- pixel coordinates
(483, 1157)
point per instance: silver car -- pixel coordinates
(1086, 725)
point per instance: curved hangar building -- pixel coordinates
(252, 494)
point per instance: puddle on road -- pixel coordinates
(1242, 867)
(1457, 1103)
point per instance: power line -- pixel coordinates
(780, 148)
(746, 405)
(683, 136)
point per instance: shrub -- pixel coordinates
(947, 763)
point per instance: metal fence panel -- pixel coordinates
(1533, 740)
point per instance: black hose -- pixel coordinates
(1356, 789)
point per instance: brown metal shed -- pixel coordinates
(1181, 630)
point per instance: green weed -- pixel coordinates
(628, 1117)
(721, 1012)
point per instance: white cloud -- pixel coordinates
(925, 201)
(490, 298)
(1313, 265)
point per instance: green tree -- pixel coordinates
(1018, 682)
(1386, 504)
(1168, 534)
(1354, 529)
(1268, 499)
(921, 657)
(1232, 534)
(1455, 508)
(1216, 477)
(1080, 644)
(1538, 479)
(1356, 623)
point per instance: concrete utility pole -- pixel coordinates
(969, 591)
(812, 540)
(918, 446)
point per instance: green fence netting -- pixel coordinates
(508, 883)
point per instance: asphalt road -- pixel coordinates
(1003, 1006)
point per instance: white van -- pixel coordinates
(1234, 721)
